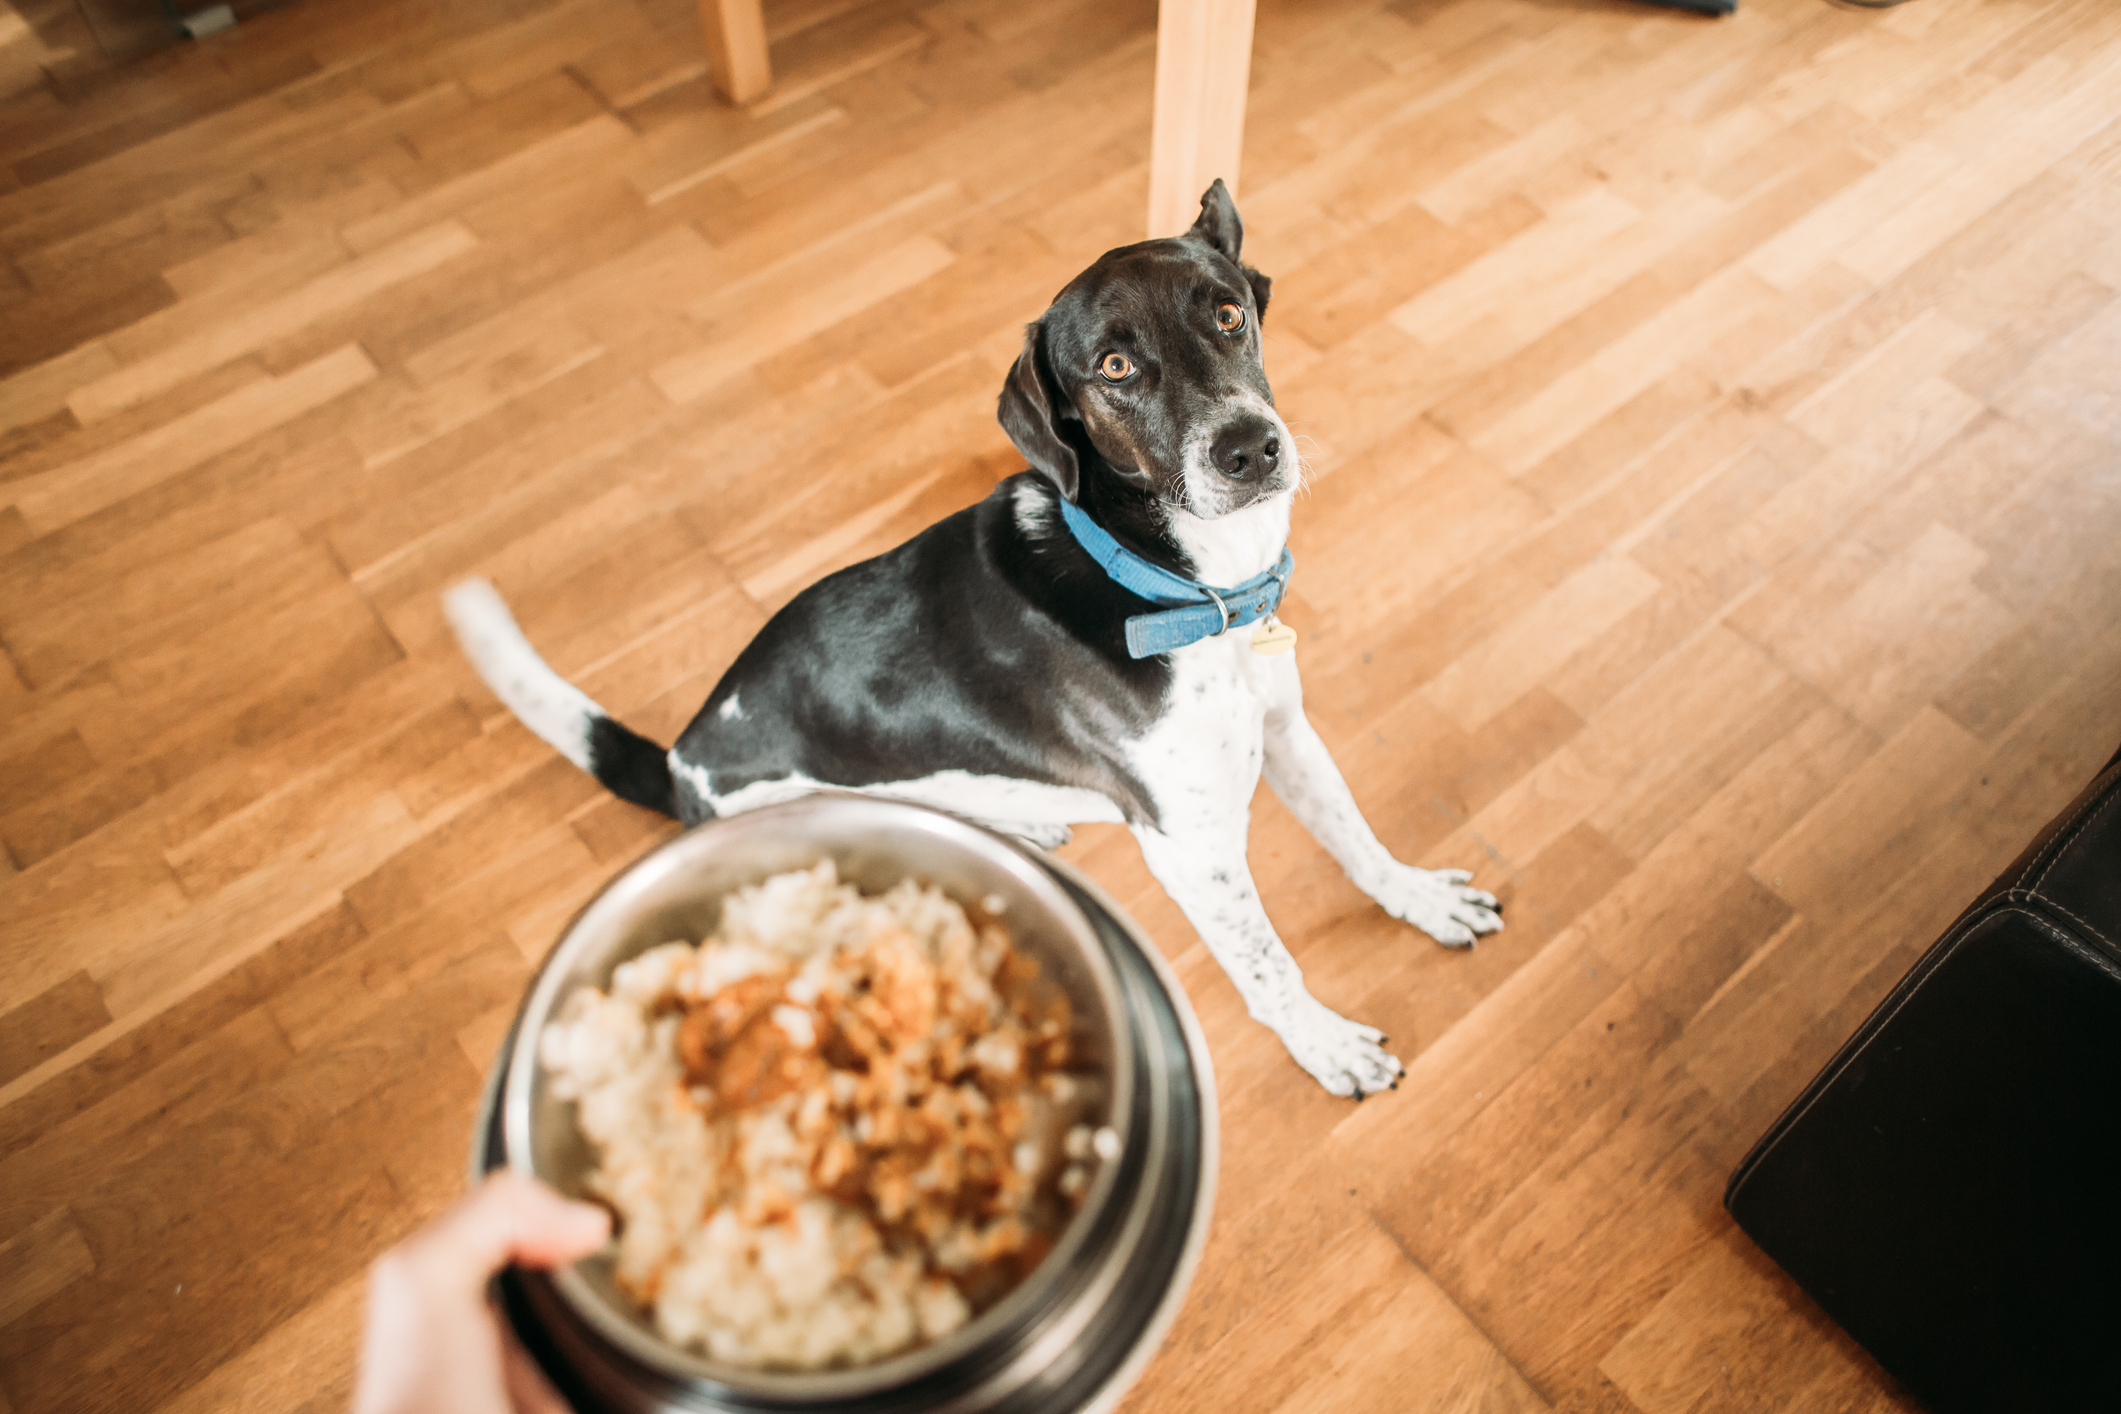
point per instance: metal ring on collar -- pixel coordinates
(1222, 606)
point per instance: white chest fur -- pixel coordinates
(1201, 760)
(1230, 549)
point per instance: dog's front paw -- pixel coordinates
(1345, 1056)
(1440, 902)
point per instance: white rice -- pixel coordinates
(727, 1233)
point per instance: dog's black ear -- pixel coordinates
(1218, 224)
(1220, 227)
(1030, 413)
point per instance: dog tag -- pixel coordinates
(1273, 636)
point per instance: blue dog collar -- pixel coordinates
(1193, 611)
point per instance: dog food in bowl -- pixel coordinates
(835, 1130)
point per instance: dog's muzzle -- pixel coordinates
(1248, 448)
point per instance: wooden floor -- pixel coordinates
(1715, 542)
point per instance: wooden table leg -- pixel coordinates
(736, 48)
(1203, 62)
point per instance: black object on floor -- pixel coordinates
(1699, 7)
(1944, 1187)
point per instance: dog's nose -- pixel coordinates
(1247, 448)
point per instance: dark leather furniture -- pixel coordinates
(1949, 1187)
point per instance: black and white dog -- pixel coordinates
(1065, 650)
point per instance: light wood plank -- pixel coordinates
(1709, 542)
(41, 1261)
(59, 497)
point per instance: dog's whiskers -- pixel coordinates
(1302, 462)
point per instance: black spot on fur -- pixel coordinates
(631, 766)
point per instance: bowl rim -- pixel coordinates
(632, 1334)
(1149, 1338)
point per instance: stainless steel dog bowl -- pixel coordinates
(1075, 1332)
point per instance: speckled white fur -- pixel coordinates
(692, 783)
(1233, 714)
(1034, 513)
(548, 704)
(1231, 549)
(1031, 810)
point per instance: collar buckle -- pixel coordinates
(1151, 633)
(1225, 608)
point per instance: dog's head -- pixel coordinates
(1148, 364)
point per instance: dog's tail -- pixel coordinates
(630, 765)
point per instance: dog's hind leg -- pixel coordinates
(1207, 877)
(1441, 902)
(1034, 811)
(1044, 836)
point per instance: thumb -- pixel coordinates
(509, 1218)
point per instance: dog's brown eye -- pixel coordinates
(1115, 367)
(1229, 316)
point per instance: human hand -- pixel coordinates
(433, 1341)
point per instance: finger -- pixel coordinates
(508, 1219)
